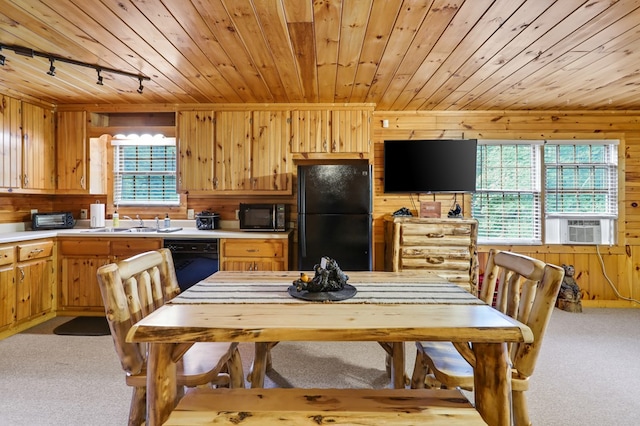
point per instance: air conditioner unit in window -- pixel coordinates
(581, 231)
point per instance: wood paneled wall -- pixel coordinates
(606, 275)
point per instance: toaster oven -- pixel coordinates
(55, 220)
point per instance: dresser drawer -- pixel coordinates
(451, 259)
(35, 250)
(429, 234)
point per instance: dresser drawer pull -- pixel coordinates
(435, 260)
(434, 235)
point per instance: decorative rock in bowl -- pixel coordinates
(328, 284)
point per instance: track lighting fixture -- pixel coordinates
(30, 53)
(52, 68)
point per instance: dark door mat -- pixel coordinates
(84, 326)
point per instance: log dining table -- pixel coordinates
(389, 307)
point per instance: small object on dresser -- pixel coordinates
(403, 211)
(455, 212)
(430, 209)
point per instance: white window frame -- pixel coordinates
(536, 187)
(121, 141)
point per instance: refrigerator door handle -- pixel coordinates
(303, 236)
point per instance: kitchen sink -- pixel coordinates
(134, 229)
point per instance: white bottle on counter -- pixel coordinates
(167, 221)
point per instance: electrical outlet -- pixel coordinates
(191, 214)
(83, 213)
(237, 214)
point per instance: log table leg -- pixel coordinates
(259, 367)
(162, 390)
(492, 383)
(397, 365)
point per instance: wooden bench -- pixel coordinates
(301, 407)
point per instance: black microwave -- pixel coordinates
(263, 217)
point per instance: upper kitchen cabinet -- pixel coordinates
(270, 160)
(38, 148)
(237, 152)
(195, 131)
(10, 143)
(330, 134)
(72, 152)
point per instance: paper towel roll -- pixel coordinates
(97, 215)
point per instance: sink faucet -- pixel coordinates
(140, 220)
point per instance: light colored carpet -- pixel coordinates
(588, 373)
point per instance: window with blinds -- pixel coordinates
(520, 184)
(145, 171)
(581, 179)
(507, 198)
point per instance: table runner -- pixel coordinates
(276, 292)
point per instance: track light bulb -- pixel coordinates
(140, 88)
(2, 59)
(52, 68)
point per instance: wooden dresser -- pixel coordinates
(445, 246)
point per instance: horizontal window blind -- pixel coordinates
(145, 173)
(581, 179)
(507, 198)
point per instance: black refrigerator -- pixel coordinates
(334, 215)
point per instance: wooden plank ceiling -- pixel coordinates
(398, 54)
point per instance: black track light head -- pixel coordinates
(99, 82)
(52, 68)
(140, 88)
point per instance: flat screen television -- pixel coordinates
(428, 166)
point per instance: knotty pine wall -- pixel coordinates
(621, 262)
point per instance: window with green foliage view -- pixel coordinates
(145, 172)
(520, 183)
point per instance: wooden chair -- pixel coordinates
(133, 288)
(527, 291)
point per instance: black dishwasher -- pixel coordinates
(194, 259)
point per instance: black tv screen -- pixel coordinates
(438, 165)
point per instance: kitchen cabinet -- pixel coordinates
(254, 254)
(72, 152)
(38, 148)
(79, 260)
(447, 247)
(7, 286)
(234, 152)
(10, 143)
(331, 132)
(271, 168)
(195, 131)
(35, 279)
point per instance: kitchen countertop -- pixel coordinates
(188, 231)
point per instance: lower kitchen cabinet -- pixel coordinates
(35, 276)
(7, 286)
(79, 260)
(254, 254)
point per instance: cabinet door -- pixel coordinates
(270, 163)
(196, 160)
(79, 284)
(38, 148)
(350, 131)
(10, 143)
(35, 288)
(253, 255)
(71, 151)
(311, 131)
(233, 151)
(7, 295)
